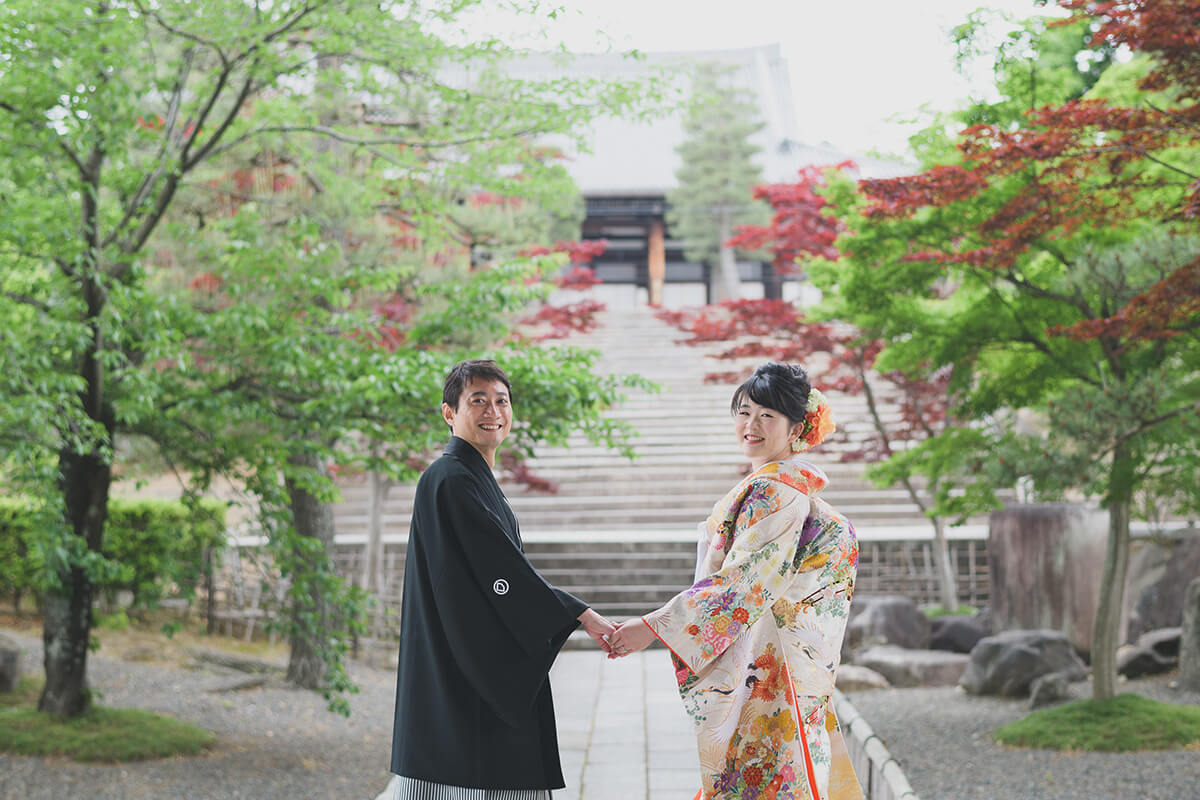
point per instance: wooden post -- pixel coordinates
(657, 262)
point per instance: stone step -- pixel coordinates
(599, 499)
(613, 579)
(570, 516)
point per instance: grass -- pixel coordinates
(939, 611)
(1124, 723)
(100, 735)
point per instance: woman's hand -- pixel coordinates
(633, 635)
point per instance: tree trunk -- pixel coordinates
(772, 282)
(947, 590)
(311, 618)
(67, 611)
(729, 284)
(84, 482)
(372, 576)
(1107, 633)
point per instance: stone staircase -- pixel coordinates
(621, 534)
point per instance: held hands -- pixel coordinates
(632, 636)
(598, 628)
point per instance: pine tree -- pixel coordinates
(718, 174)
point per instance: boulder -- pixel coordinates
(1154, 653)
(957, 634)
(1135, 661)
(1189, 640)
(904, 667)
(887, 619)
(1164, 642)
(856, 678)
(10, 663)
(1043, 560)
(1049, 689)
(1160, 569)
(1007, 663)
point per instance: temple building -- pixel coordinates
(631, 167)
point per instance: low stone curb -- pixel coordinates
(878, 772)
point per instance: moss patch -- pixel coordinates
(28, 690)
(102, 734)
(1123, 723)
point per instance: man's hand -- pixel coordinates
(632, 636)
(598, 628)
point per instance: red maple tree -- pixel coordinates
(799, 226)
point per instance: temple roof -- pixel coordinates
(629, 157)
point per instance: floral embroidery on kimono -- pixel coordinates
(756, 641)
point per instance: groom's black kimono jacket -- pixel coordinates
(479, 630)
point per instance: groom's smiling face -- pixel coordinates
(483, 416)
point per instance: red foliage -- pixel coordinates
(564, 320)
(773, 330)
(1167, 309)
(1170, 29)
(1085, 158)
(484, 199)
(514, 464)
(205, 282)
(799, 227)
(578, 278)
(581, 252)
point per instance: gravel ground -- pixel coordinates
(276, 743)
(272, 743)
(941, 738)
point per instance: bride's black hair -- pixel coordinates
(783, 387)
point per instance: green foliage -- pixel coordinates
(1125, 723)
(1034, 64)
(150, 547)
(206, 208)
(101, 735)
(718, 170)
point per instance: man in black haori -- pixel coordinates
(480, 627)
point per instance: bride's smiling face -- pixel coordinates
(765, 434)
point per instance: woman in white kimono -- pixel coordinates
(757, 638)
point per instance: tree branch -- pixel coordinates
(27, 300)
(152, 177)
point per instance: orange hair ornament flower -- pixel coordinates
(818, 423)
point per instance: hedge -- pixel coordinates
(157, 545)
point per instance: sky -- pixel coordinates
(858, 67)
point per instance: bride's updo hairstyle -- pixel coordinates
(783, 387)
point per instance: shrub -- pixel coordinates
(155, 547)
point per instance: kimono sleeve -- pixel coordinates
(530, 610)
(700, 623)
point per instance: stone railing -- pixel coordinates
(878, 773)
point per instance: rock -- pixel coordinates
(856, 678)
(957, 634)
(1189, 640)
(1006, 663)
(391, 790)
(1164, 642)
(1135, 661)
(239, 684)
(903, 667)
(10, 663)
(1160, 569)
(888, 619)
(206, 655)
(1043, 560)
(1049, 689)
